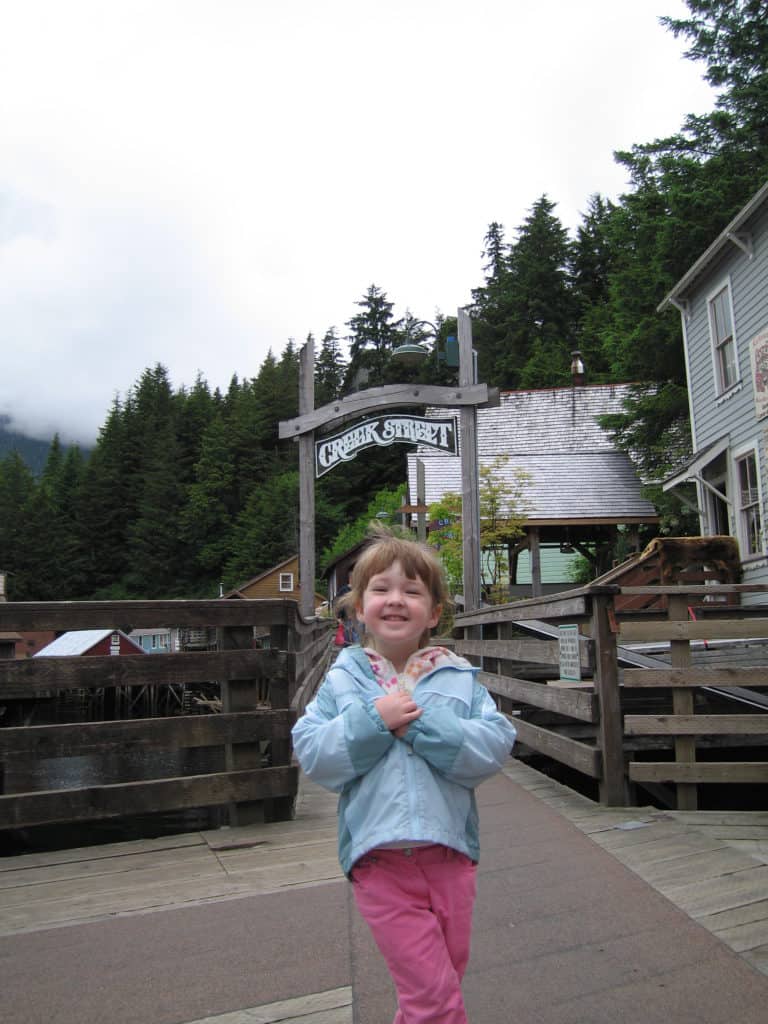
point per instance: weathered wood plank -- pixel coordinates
(570, 606)
(127, 615)
(123, 799)
(578, 755)
(755, 675)
(385, 397)
(710, 771)
(526, 649)
(696, 725)
(179, 732)
(35, 675)
(709, 591)
(572, 703)
(702, 898)
(721, 629)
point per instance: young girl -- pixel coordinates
(404, 732)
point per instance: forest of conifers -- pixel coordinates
(190, 488)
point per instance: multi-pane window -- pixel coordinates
(286, 581)
(721, 327)
(749, 506)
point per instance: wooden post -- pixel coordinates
(470, 477)
(240, 695)
(421, 500)
(281, 808)
(610, 730)
(307, 483)
(682, 704)
(535, 552)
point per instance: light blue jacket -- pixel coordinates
(418, 788)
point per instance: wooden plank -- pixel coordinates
(693, 772)
(179, 732)
(35, 675)
(524, 648)
(128, 798)
(573, 704)
(572, 607)
(127, 615)
(756, 675)
(577, 755)
(385, 397)
(711, 591)
(696, 725)
(721, 629)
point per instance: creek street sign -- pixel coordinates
(385, 430)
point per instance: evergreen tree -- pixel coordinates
(592, 262)
(105, 510)
(194, 411)
(685, 190)
(330, 368)
(17, 485)
(526, 309)
(155, 551)
(373, 335)
(206, 521)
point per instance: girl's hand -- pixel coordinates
(397, 711)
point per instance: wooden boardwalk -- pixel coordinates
(711, 864)
(712, 867)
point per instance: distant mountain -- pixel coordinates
(33, 451)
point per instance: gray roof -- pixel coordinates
(575, 473)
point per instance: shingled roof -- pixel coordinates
(576, 474)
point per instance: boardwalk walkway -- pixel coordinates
(585, 915)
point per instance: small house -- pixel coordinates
(90, 643)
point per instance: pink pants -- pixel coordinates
(418, 904)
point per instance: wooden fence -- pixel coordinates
(591, 727)
(262, 690)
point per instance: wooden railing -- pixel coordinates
(261, 692)
(591, 728)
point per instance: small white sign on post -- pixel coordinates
(570, 660)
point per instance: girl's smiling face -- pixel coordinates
(397, 611)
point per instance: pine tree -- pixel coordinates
(592, 262)
(17, 485)
(526, 309)
(206, 521)
(373, 335)
(330, 369)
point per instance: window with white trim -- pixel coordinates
(723, 340)
(750, 517)
(286, 581)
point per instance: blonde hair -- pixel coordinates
(419, 561)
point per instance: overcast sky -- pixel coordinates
(194, 182)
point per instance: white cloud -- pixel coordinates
(193, 182)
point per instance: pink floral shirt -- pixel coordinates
(418, 665)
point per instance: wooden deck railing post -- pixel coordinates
(613, 789)
(682, 703)
(282, 638)
(240, 695)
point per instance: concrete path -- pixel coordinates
(256, 925)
